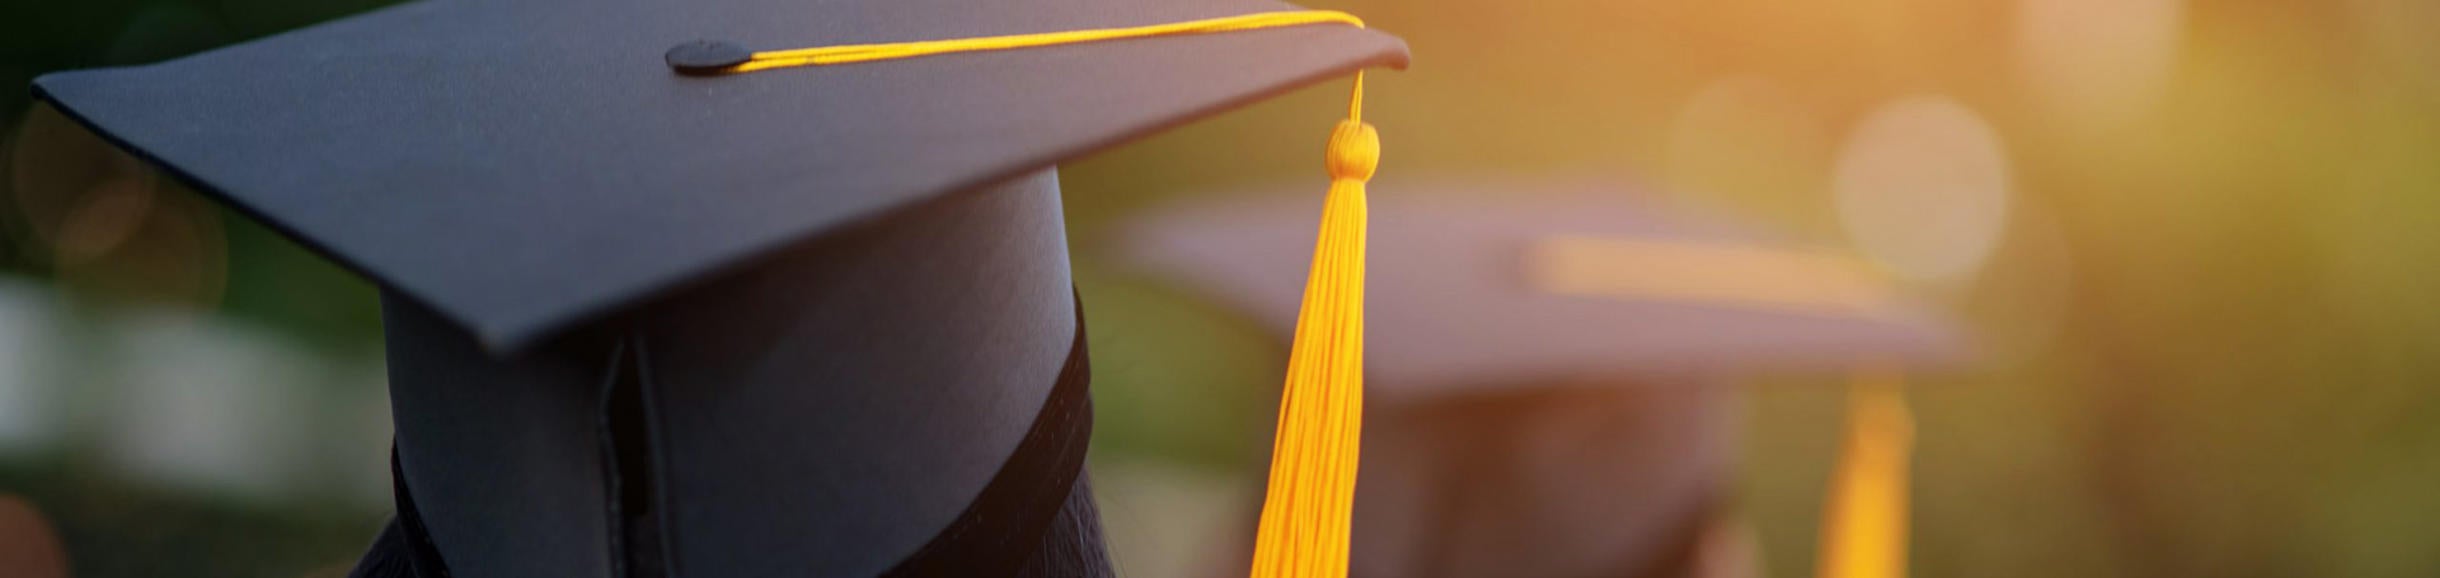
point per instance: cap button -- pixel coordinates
(706, 57)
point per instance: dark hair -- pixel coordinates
(1072, 546)
(387, 558)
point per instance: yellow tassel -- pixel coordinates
(1305, 513)
(1864, 525)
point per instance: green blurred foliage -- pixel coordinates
(1175, 378)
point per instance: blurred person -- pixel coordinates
(1552, 395)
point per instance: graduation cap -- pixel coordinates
(724, 287)
(1531, 316)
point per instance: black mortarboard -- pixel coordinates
(521, 165)
(645, 316)
(1546, 376)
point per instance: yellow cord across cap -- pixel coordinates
(1306, 511)
(852, 53)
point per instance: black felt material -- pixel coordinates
(831, 410)
(519, 165)
(502, 457)
(827, 412)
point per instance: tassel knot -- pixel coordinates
(1355, 150)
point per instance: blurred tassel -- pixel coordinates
(1305, 513)
(1864, 527)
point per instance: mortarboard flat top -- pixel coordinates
(1455, 299)
(519, 165)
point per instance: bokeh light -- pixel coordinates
(2098, 62)
(1922, 188)
(111, 227)
(110, 212)
(53, 165)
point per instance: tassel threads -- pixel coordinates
(1864, 531)
(1307, 510)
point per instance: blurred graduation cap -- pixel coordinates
(666, 294)
(1544, 380)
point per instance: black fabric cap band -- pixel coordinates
(1005, 523)
(997, 534)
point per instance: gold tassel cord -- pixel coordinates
(1307, 509)
(854, 53)
(1306, 512)
(1864, 526)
